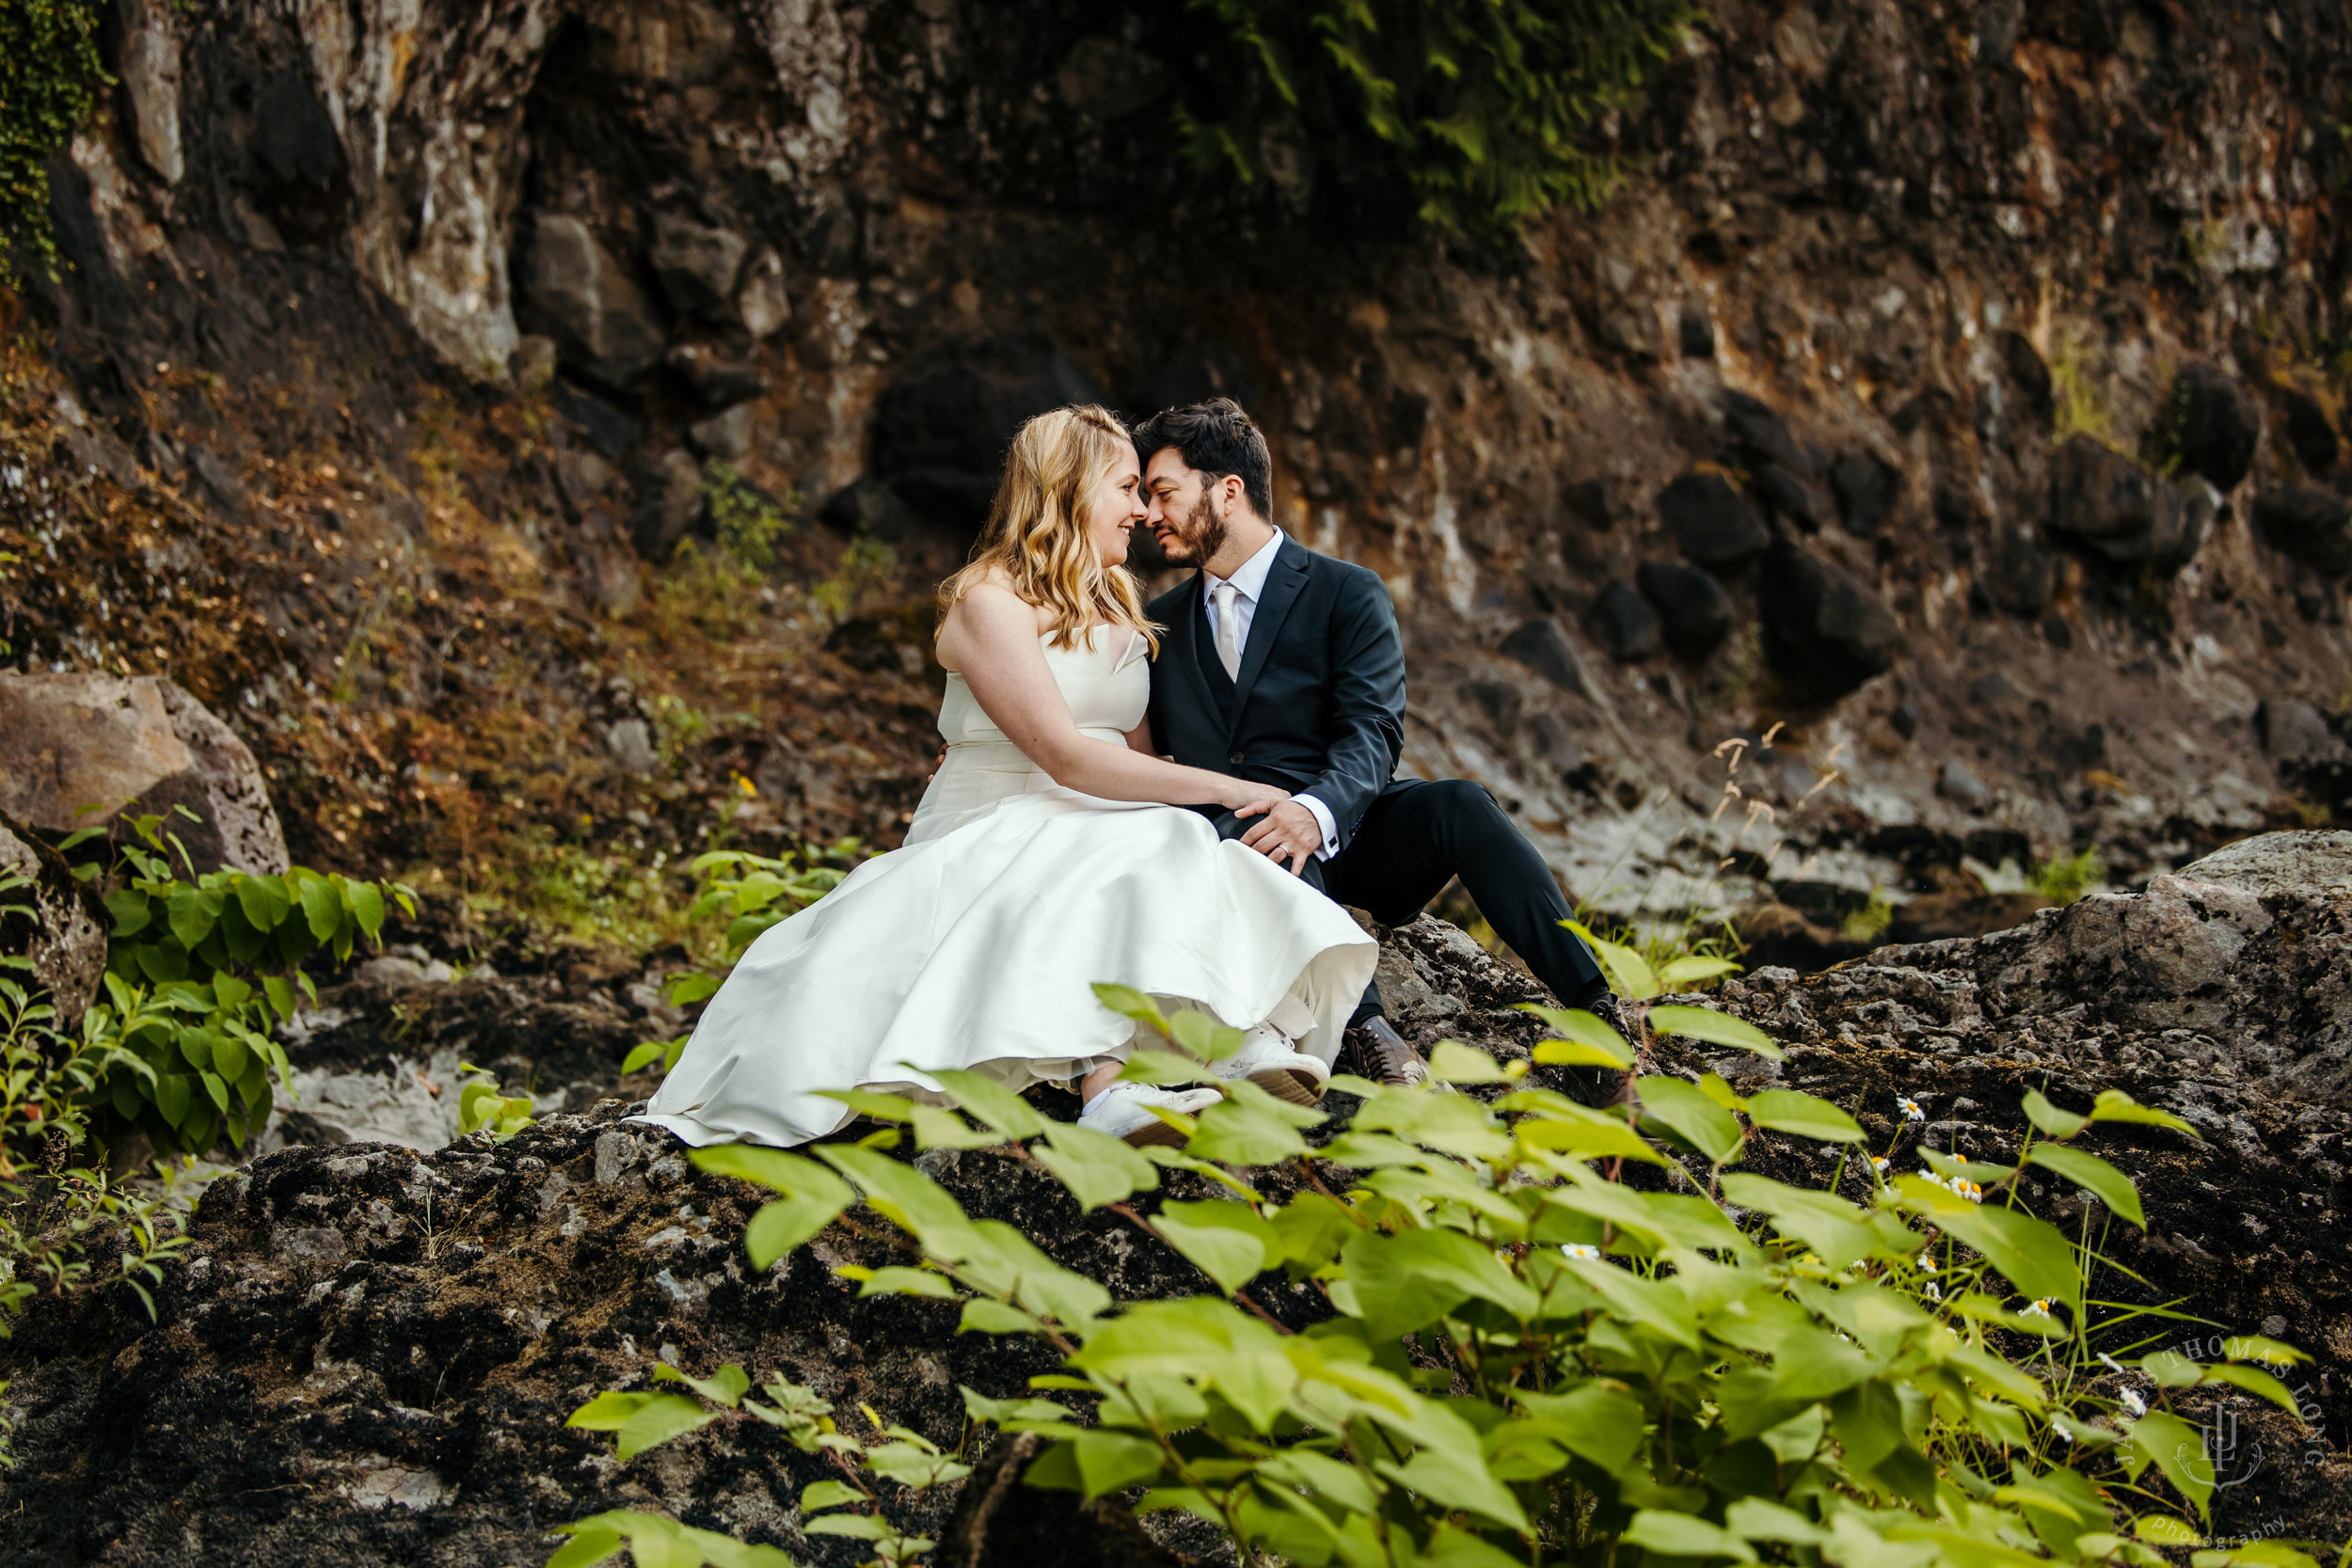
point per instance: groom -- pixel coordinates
(1284, 666)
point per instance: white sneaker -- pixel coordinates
(1268, 1059)
(1123, 1111)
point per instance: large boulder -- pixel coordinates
(2216, 424)
(2310, 864)
(941, 428)
(1692, 607)
(2110, 505)
(129, 746)
(1712, 522)
(585, 299)
(1825, 630)
(2307, 525)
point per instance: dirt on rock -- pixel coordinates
(369, 1353)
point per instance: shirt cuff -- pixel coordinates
(1321, 814)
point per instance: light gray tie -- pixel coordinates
(1228, 646)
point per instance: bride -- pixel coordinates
(1049, 853)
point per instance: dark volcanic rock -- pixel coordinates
(1791, 496)
(941, 428)
(1624, 623)
(1543, 647)
(2216, 424)
(1825, 630)
(2308, 432)
(367, 1355)
(1691, 605)
(1761, 434)
(2307, 523)
(1711, 521)
(1868, 487)
(2108, 503)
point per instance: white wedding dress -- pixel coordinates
(976, 945)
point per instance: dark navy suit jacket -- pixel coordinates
(1319, 705)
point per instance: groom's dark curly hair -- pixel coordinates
(1215, 438)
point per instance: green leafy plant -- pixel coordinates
(482, 1105)
(1518, 1360)
(752, 893)
(56, 1215)
(2064, 878)
(745, 521)
(865, 564)
(49, 80)
(848, 1507)
(200, 972)
(1489, 113)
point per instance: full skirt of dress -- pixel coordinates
(978, 949)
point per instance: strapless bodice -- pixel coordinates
(1106, 680)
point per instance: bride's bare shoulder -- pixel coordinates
(992, 598)
(987, 608)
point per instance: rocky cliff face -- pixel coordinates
(370, 1352)
(1956, 389)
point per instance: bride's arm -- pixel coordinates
(993, 635)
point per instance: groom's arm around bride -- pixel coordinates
(1285, 667)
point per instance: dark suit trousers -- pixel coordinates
(1420, 835)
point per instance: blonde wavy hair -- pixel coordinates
(1037, 528)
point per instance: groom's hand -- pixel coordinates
(1289, 831)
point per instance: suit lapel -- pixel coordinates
(1182, 652)
(1282, 586)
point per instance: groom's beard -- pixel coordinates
(1198, 538)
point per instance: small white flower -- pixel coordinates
(1935, 1292)
(1879, 1164)
(2039, 1308)
(1927, 1264)
(1578, 1249)
(2133, 1402)
(1910, 1108)
(1973, 1193)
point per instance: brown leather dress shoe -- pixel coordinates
(1375, 1050)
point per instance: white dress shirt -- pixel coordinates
(1248, 581)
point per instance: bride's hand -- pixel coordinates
(1246, 798)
